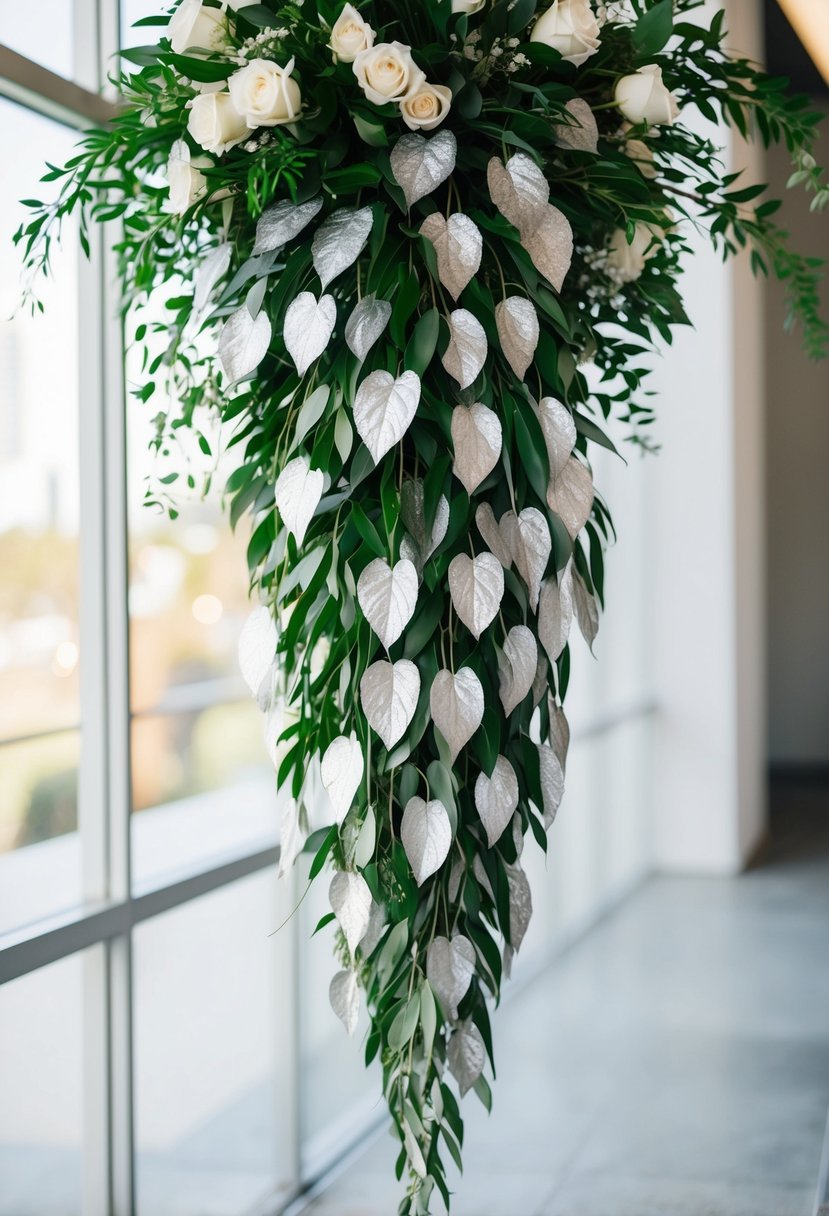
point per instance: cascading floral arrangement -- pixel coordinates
(391, 245)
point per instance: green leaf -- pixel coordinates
(653, 29)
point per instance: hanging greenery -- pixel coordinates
(389, 244)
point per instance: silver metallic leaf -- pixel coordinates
(555, 612)
(528, 537)
(281, 223)
(455, 875)
(257, 648)
(570, 495)
(309, 324)
(413, 514)
(581, 133)
(465, 355)
(377, 925)
(456, 702)
(365, 325)
(339, 241)
(458, 246)
(297, 493)
(489, 530)
(384, 409)
(549, 242)
(476, 440)
(211, 269)
(426, 836)
(341, 770)
(520, 905)
(350, 901)
(419, 165)
(476, 586)
(552, 782)
(466, 1055)
(496, 798)
(388, 694)
(586, 608)
(450, 965)
(344, 995)
(518, 189)
(559, 732)
(243, 343)
(540, 682)
(388, 597)
(559, 430)
(479, 870)
(517, 323)
(517, 664)
(291, 836)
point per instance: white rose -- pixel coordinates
(427, 107)
(264, 93)
(569, 27)
(467, 6)
(643, 97)
(387, 72)
(214, 122)
(628, 260)
(192, 24)
(639, 152)
(187, 184)
(350, 35)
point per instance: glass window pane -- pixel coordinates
(41, 32)
(41, 1095)
(213, 1109)
(39, 527)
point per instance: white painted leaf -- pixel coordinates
(465, 355)
(341, 771)
(257, 648)
(528, 538)
(559, 430)
(377, 925)
(450, 965)
(281, 223)
(518, 834)
(243, 343)
(339, 241)
(366, 323)
(297, 493)
(388, 694)
(489, 530)
(457, 706)
(520, 905)
(517, 664)
(476, 439)
(366, 840)
(309, 324)
(388, 597)
(350, 901)
(555, 613)
(384, 409)
(540, 682)
(344, 995)
(211, 269)
(426, 835)
(496, 798)
(518, 188)
(458, 245)
(517, 323)
(477, 588)
(466, 1055)
(413, 514)
(479, 870)
(455, 875)
(551, 776)
(414, 1153)
(581, 134)
(550, 245)
(586, 609)
(291, 836)
(419, 165)
(570, 495)
(559, 732)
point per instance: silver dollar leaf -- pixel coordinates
(210, 270)
(570, 495)
(456, 702)
(350, 901)
(341, 771)
(426, 835)
(465, 355)
(388, 597)
(476, 586)
(559, 430)
(550, 245)
(243, 343)
(466, 1055)
(297, 493)
(517, 323)
(309, 324)
(413, 514)
(458, 245)
(257, 648)
(520, 905)
(281, 223)
(388, 694)
(528, 538)
(365, 325)
(344, 995)
(551, 775)
(496, 798)
(587, 610)
(450, 965)
(555, 613)
(419, 165)
(518, 189)
(581, 133)
(339, 241)
(384, 409)
(517, 664)
(476, 440)
(489, 530)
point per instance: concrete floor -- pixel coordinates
(674, 1063)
